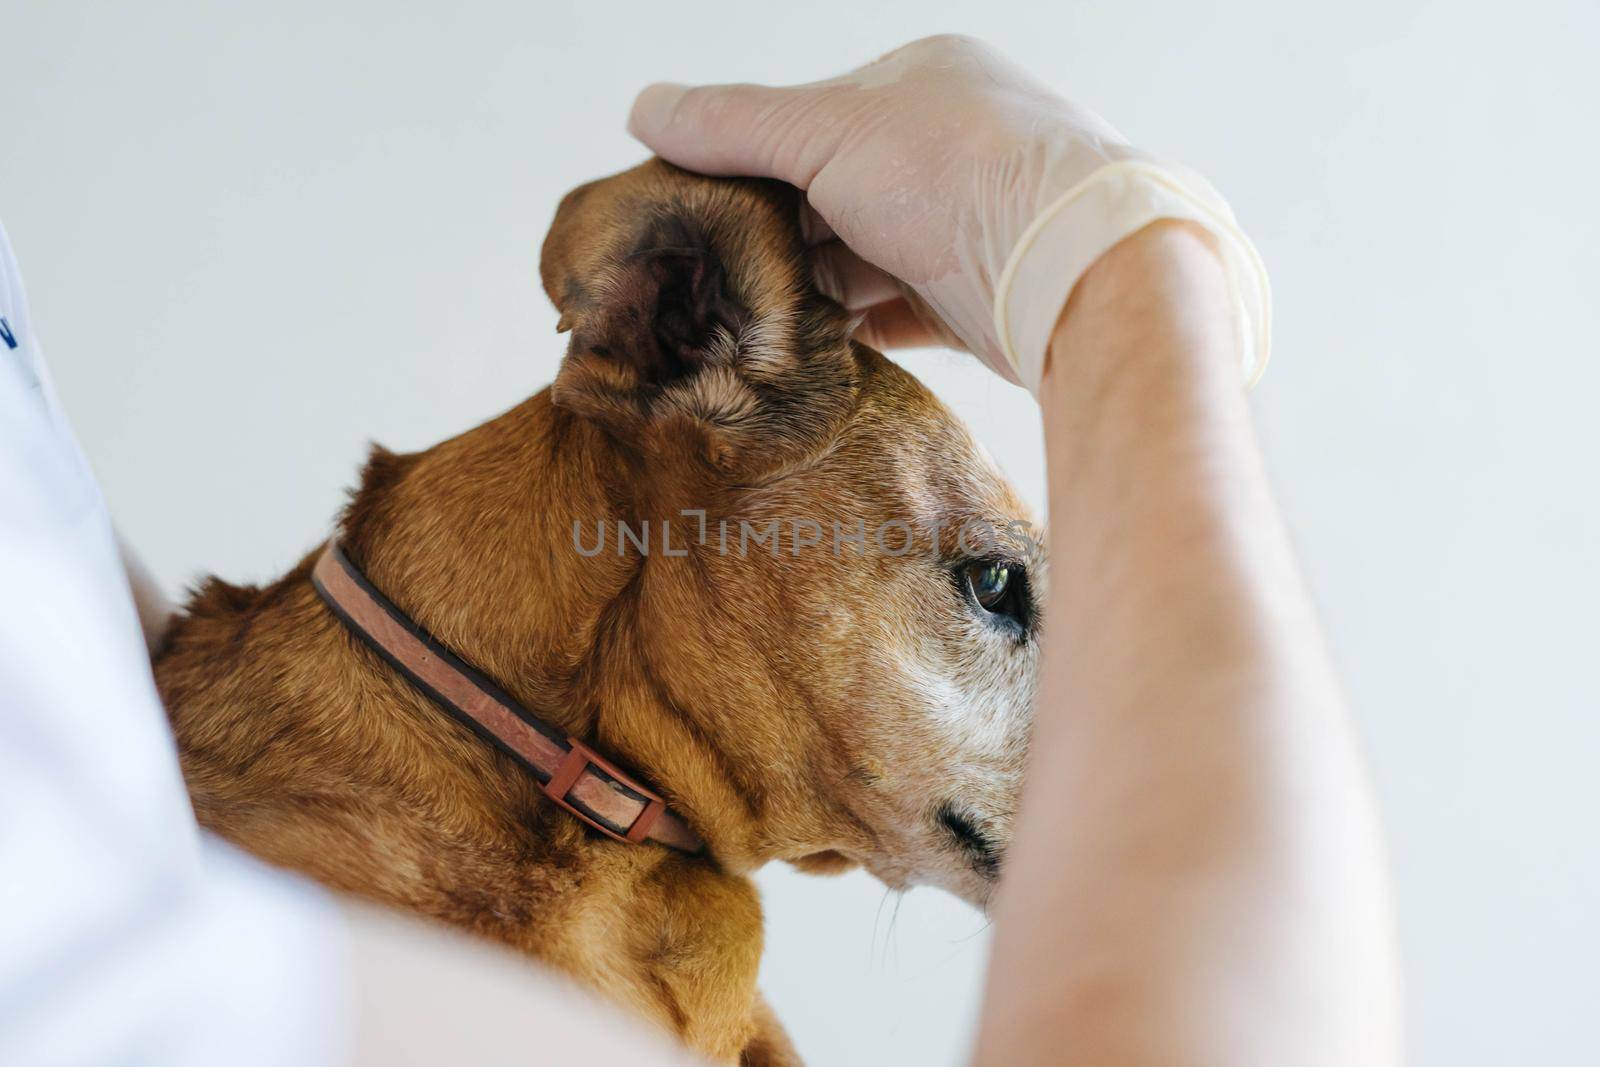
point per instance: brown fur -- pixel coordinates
(780, 702)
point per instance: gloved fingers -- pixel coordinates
(852, 281)
(948, 167)
(760, 131)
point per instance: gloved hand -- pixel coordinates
(953, 199)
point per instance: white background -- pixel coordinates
(257, 236)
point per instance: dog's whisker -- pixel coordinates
(889, 943)
(877, 917)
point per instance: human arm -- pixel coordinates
(1197, 875)
(424, 994)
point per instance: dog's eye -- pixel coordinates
(998, 588)
(989, 583)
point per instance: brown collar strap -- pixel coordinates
(571, 773)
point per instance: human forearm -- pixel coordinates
(1197, 875)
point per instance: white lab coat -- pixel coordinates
(127, 935)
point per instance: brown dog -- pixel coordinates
(832, 665)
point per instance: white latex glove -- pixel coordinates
(956, 200)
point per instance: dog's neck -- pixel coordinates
(301, 744)
(491, 567)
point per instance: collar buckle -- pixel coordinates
(573, 777)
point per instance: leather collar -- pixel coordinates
(571, 773)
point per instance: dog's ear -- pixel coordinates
(658, 311)
(694, 321)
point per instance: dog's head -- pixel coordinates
(836, 601)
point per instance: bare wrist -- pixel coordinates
(1162, 293)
